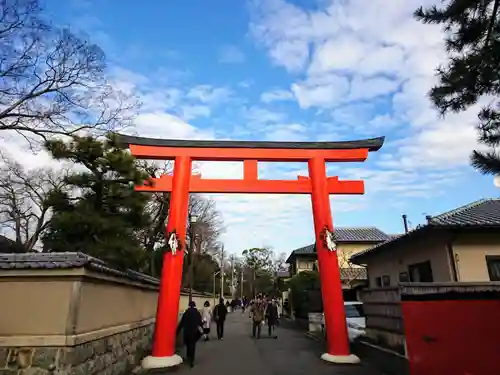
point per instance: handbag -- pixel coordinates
(199, 333)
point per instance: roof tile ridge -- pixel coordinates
(458, 210)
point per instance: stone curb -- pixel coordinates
(314, 336)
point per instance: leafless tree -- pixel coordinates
(52, 81)
(209, 224)
(344, 258)
(157, 208)
(349, 272)
(279, 262)
(25, 201)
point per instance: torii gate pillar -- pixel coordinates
(338, 350)
(167, 311)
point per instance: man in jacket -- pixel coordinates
(257, 312)
(272, 317)
(191, 326)
(220, 313)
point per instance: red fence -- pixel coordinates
(453, 334)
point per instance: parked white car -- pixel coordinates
(356, 320)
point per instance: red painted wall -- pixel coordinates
(453, 337)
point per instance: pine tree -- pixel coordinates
(473, 70)
(101, 213)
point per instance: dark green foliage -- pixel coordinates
(204, 266)
(473, 71)
(305, 293)
(101, 214)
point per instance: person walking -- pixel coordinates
(272, 318)
(220, 313)
(243, 304)
(191, 325)
(250, 306)
(206, 316)
(257, 312)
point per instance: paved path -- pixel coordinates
(291, 354)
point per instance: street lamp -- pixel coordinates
(192, 223)
(215, 274)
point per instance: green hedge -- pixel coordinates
(305, 293)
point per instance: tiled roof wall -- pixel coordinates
(369, 234)
(65, 261)
(483, 212)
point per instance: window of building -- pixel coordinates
(378, 281)
(421, 272)
(354, 311)
(404, 277)
(493, 264)
(386, 280)
(306, 265)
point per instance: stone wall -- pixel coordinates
(112, 355)
(72, 314)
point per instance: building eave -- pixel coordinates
(361, 257)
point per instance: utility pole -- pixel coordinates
(222, 271)
(233, 291)
(241, 285)
(192, 234)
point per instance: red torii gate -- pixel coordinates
(318, 185)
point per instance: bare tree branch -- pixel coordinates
(24, 201)
(209, 224)
(51, 80)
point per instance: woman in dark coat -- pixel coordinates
(272, 317)
(192, 327)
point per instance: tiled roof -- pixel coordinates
(67, 260)
(283, 274)
(309, 249)
(356, 235)
(9, 246)
(392, 236)
(354, 273)
(484, 213)
(368, 234)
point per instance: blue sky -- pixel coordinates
(297, 70)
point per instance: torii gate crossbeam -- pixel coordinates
(317, 184)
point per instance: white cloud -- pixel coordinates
(261, 116)
(165, 125)
(342, 53)
(362, 50)
(369, 88)
(276, 95)
(292, 54)
(366, 64)
(287, 132)
(231, 55)
(382, 59)
(190, 112)
(12, 146)
(208, 94)
(326, 91)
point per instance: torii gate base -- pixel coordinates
(318, 185)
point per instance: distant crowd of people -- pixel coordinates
(263, 309)
(196, 325)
